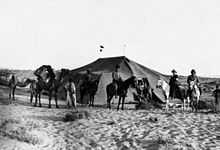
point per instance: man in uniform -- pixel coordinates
(193, 77)
(88, 76)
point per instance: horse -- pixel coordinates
(122, 91)
(89, 88)
(194, 96)
(182, 94)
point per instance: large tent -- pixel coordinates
(102, 69)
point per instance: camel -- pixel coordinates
(13, 83)
(48, 81)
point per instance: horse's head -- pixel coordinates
(193, 86)
(132, 81)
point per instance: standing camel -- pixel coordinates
(13, 83)
(48, 81)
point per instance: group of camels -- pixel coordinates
(46, 80)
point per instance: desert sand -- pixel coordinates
(24, 127)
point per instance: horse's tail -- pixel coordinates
(109, 90)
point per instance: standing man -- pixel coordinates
(174, 84)
(116, 78)
(12, 86)
(84, 87)
(71, 93)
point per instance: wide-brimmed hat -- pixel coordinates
(193, 71)
(174, 71)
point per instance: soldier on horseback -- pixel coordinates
(193, 77)
(116, 79)
(88, 77)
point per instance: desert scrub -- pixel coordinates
(13, 129)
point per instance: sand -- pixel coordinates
(25, 127)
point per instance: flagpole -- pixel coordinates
(124, 48)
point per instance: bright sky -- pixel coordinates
(160, 34)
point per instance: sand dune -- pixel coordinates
(26, 127)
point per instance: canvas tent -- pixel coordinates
(102, 69)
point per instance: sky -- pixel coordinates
(159, 34)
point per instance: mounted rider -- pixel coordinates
(87, 79)
(88, 76)
(116, 78)
(193, 77)
(174, 84)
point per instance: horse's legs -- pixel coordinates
(74, 101)
(50, 95)
(10, 92)
(81, 96)
(123, 102)
(36, 96)
(119, 102)
(92, 100)
(109, 98)
(13, 93)
(31, 97)
(197, 104)
(184, 104)
(167, 104)
(39, 97)
(56, 100)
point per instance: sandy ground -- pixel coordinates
(23, 126)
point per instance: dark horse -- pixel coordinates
(122, 91)
(89, 88)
